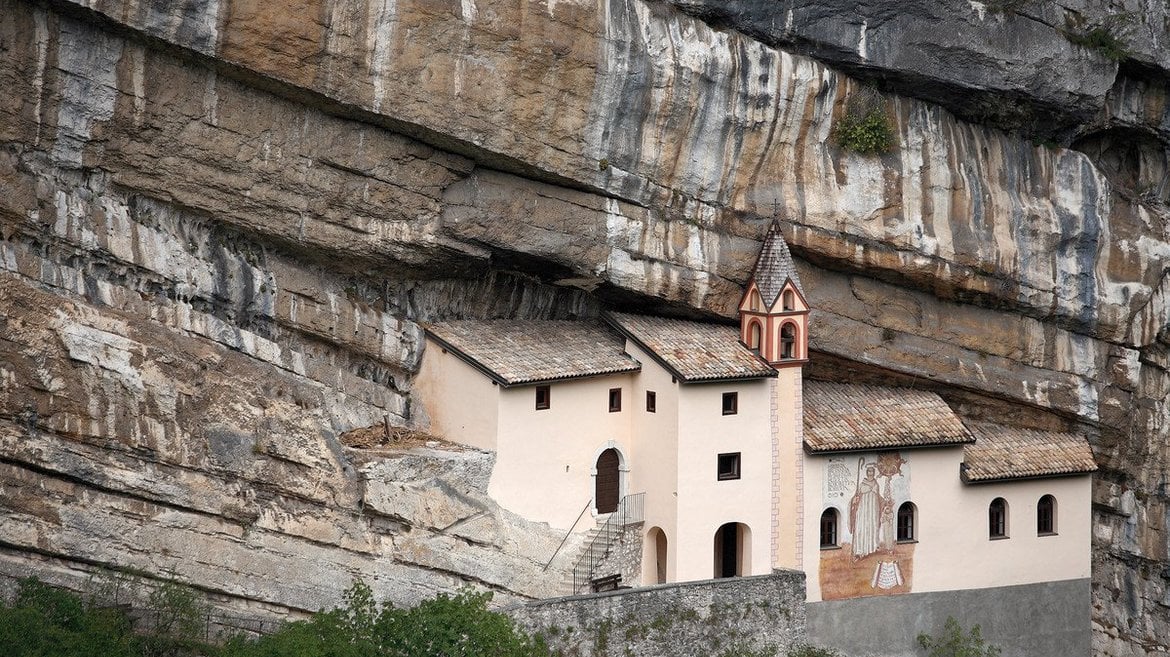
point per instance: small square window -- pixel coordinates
(615, 400)
(543, 397)
(729, 466)
(651, 401)
(730, 403)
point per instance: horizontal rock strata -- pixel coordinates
(222, 222)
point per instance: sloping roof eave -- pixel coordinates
(886, 447)
(992, 479)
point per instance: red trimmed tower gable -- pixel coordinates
(773, 313)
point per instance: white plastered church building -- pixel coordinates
(737, 464)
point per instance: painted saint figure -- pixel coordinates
(865, 514)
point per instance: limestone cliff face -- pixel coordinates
(222, 219)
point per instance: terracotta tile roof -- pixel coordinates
(848, 416)
(774, 266)
(693, 351)
(1010, 453)
(516, 352)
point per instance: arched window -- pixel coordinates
(754, 301)
(789, 302)
(829, 528)
(788, 341)
(1046, 515)
(754, 337)
(997, 518)
(907, 514)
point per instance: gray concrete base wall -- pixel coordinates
(1051, 619)
(692, 619)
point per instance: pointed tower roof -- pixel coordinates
(774, 266)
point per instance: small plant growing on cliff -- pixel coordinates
(865, 128)
(740, 650)
(953, 642)
(1004, 6)
(805, 650)
(1101, 39)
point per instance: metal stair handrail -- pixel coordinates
(630, 510)
(567, 534)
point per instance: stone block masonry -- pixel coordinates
(675, 620)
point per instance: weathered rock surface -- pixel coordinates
(132, 444)
(1130, 139)
(222, 221)
(1010, 63)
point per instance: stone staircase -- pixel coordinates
(592, 560)
(565, 586)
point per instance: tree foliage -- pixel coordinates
(47, 622)
(445, 626)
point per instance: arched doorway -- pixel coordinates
(607, 488)
(654, 557)
(733, 545)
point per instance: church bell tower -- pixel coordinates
(773, 322)
(773, 314)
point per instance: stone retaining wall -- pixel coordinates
(711, 617)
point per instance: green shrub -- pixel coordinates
(48, 622)
(954, 643)
(1102, 40)
(865, 128)
(445, 625)
(455, 625)
(178, 613)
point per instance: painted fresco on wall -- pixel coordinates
(866, 490)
